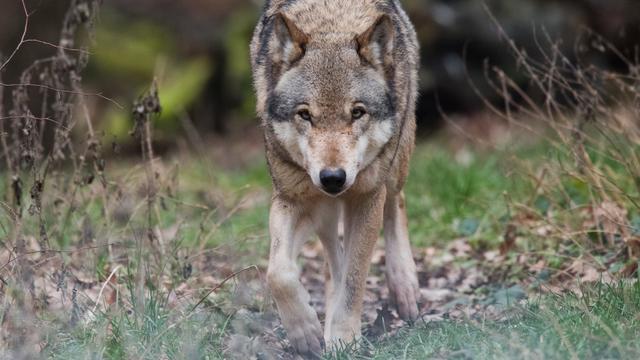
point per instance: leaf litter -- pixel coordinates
(456, 282)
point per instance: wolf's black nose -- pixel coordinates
(333, 180)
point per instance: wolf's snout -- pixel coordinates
(333, 180)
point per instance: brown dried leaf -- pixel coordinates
(493, 256)
(460, 248)
(509, 238)
(612, 218)
(590, 275)
(436, 295)
(633, 245)
(538, 267)
(32, 248)
(245, 347)
(630, 269)
(584, 271)
(474, 278)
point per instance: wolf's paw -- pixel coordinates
(405, 293)
(306, 338)
(342, 333)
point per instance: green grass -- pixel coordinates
(446, 199)
(602, 323)
(154, 332)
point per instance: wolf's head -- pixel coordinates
(330, 107)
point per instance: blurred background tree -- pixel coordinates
(198, 50)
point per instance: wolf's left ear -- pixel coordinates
(375, 45)
(289, 43)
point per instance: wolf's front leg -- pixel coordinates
(363, 221)
(327, 216)
(289, 230)
(401, 274)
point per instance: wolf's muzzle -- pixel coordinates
(333, 180)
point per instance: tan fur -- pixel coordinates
(333, 52)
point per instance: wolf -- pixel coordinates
(336, 87)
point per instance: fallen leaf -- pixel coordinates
(590, 274)
(382, 323)
(509, 239)
(633, 244)
(584, 271)
(611, 218)
(460, 248)
(493, 256)
(473, 279)
(538, 267)
(247, 348)
(436, 295)
(630, 270)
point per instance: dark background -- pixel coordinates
(198, 51)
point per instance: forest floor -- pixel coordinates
(512, 262)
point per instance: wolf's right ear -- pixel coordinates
(289, 43)
(375, 45)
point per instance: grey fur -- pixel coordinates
(314, 63)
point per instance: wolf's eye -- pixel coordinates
(304, 115)
(358, 113)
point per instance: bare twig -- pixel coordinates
(59, 47)
(65, 91)
(221, 284)
(22, 38)
(104, 285)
